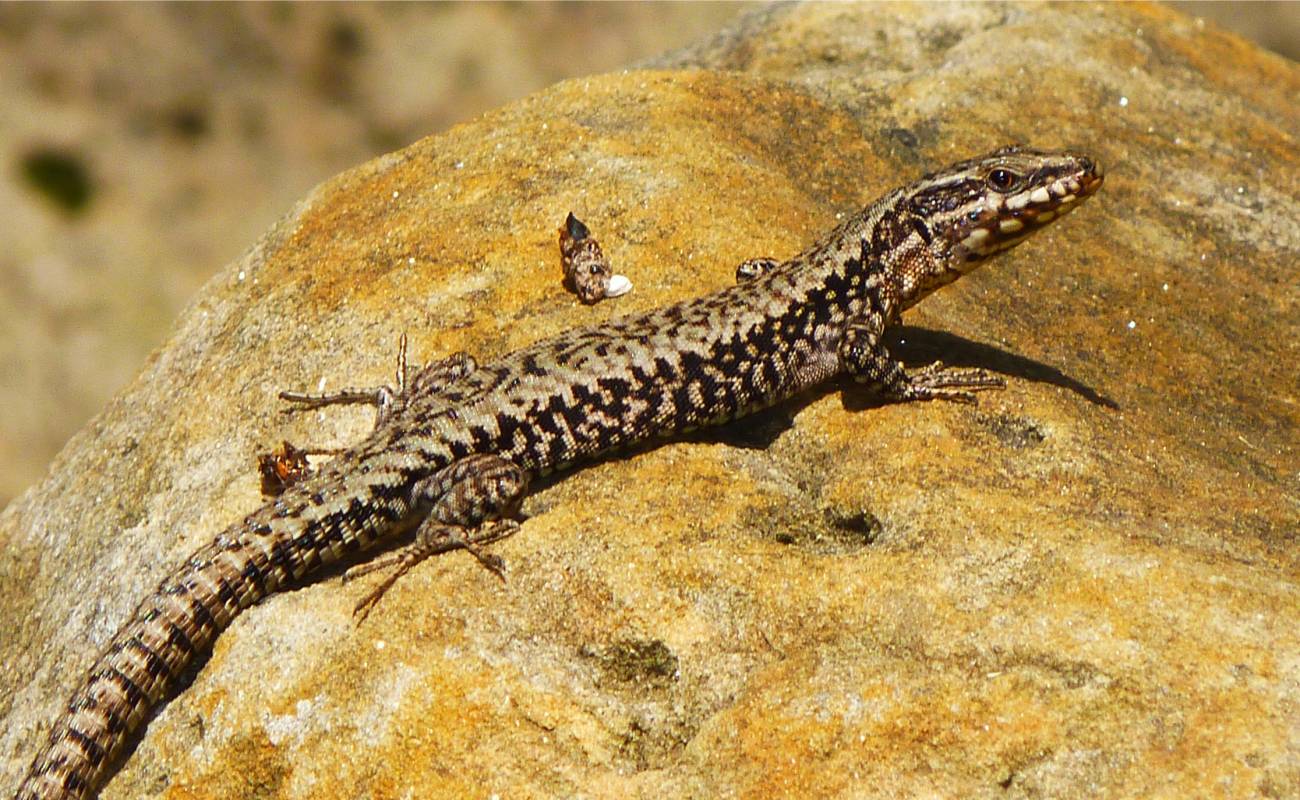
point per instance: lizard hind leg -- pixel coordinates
(471, 502)
(429, 379)
(289, 464)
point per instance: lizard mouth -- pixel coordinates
(1009, 219)
(1050, 200)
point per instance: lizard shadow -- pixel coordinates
(917, 347)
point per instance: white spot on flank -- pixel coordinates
(1010, 225)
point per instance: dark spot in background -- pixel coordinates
(60, 176)
(827, 531)
(334, 72)
(469, 71)
(903, 137)
(942, 38)
(189, 121)
(907, 145)
(345, 39)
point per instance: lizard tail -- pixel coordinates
(174, 626)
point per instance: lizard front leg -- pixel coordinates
(863, 355)
(471, 502)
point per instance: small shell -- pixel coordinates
(619, 285)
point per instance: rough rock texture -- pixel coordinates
(1087, 586)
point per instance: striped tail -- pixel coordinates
(173, 627)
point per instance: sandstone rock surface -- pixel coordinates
(1087, 586)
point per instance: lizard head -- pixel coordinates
(961, 215)
(985, 205)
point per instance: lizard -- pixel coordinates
(453, 449)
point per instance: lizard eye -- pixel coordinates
(1002, 180)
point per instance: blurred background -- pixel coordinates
(144, 146)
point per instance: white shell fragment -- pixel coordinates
(619, 285)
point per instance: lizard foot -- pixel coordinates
(431, 540)
(956, 384)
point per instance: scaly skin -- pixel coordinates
(455, 449)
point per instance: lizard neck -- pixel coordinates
(855, 269)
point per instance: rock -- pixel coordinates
(1084, 587)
